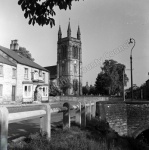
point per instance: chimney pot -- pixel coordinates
(14, 45)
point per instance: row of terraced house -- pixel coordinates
(21, 78)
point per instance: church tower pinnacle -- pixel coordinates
(59, 33)
(78, 34)
(69, 30)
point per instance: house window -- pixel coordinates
(26, 73)
(1, 70)
(45, 91)
(14, 73)
(1, 90)
(40, 73)
(27, 91)
(43, 74)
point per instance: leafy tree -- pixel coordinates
(92, 90)
(85, 90)
(25, 53)
(65, 86)
(54, 89)
(102, 84)
(42, 12)
(110, 80)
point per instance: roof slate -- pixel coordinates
(6, 61)
(53, 71)
(21, 59)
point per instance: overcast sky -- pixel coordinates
(105, 25)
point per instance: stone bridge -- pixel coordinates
(126, 118)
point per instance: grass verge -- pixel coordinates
(96, 136)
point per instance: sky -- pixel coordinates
(105, 25)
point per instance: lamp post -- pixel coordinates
(124, 83)
(132, 41)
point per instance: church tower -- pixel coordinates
(69, 62)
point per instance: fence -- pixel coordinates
(11, 114)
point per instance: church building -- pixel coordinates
(68, 71)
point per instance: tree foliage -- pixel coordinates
(85, 90)
(89, 90)
(42, 11)
(110, 79)
(25, 53)
(92, 90)
(64, 84)
(54, 89)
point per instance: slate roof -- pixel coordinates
(6, 61)
(53, 71)
(21, 59)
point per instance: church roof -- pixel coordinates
(21, 59)
(6, 61)
(53, 71)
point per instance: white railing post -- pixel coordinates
(45, 121)
(66, 116)
(3, 128)
(78, 115)
(88, 111)
(94, 109)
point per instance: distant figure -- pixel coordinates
(37, 94)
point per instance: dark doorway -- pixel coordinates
(13, 93)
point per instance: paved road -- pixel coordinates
(25, 128)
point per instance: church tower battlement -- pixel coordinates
(69, 62)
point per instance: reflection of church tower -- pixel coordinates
(69, 62)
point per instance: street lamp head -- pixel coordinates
(130, 42)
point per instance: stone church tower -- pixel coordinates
(69, 62)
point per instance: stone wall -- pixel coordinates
(115, 113)
(126, 118)
(137, 118)
(77, 98)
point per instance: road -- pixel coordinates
(25, 128)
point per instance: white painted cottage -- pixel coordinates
(20, 78)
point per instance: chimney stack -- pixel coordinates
(14, 45)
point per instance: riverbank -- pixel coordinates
(97, 135)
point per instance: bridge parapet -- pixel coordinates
(126, 118)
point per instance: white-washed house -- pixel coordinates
(28, 76)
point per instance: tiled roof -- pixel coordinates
(53, 71)
(21, 59)
(6, 61)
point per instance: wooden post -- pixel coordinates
(83, 115)
(93, 109)
(78, 115)
(102, 112)
(3, 128)
(66, 116)
(88, 111)
(45, 122)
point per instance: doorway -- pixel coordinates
(13, 93)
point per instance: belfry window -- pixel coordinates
(64, 52)
(63, 68)
(75, 52)
(75, 68)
